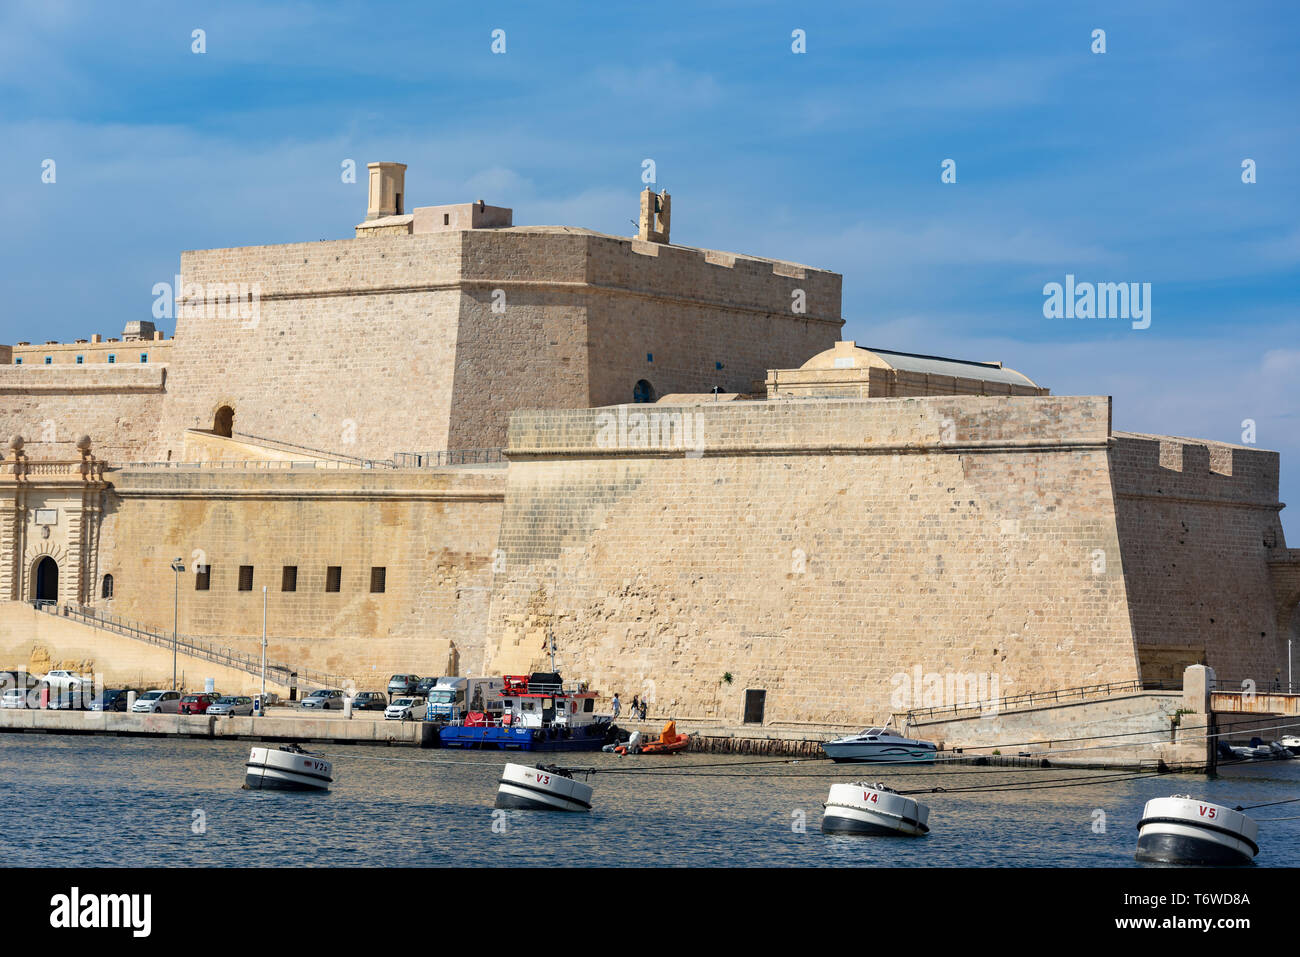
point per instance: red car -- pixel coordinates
(197, 703)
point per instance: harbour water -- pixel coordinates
(97, 801)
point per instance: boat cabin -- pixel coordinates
(540, 700)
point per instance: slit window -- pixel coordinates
(107, 591)
(377, 580)
(289, 578)
(245, 577)
(202, 577)
(334, 578)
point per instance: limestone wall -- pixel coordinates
(1198, 522)
(351, 350)
(433, 531)
(814, 549)
(118, 406)
(38, 641)
(424, 342)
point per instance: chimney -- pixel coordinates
(387, 185)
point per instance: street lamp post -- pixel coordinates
(263, 643)
(177, 567)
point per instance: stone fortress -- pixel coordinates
(449, 440)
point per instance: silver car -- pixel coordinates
(326, 699)
(158, 702)
(231, 704)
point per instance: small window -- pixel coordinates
(377, 577)
(144, 357)
(717, 365)
(446, 219)
(81, 360)
(589, 705)
(18, 361)
(107, 590)
(112, 358)
(649, 357)
(49, 360)
(333, 577)
(202, 577)
(245, 577)
(289, 578)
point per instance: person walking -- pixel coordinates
(618, 705)
(643, 710)
(636, 706)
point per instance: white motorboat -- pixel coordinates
(863, 808)
(542, 788)
(1182, 830)
(287, 768)
(879, 745)
(1291, 743)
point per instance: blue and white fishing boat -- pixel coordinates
(881, 745)
(537, 714)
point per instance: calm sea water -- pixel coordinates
(81, 801)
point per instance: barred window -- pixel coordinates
(245, 577)
(333, 577)
(289, 578)
(202, 577)
(377, 579)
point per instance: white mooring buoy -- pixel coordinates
(287, 768)
(863, 808)
(1183, 830)
(542, 788)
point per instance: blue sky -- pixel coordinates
(1115, 167)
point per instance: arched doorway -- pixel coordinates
(224, 422)
(46, 576)
(643, 391)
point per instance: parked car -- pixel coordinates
(68, 689)
(326, 699)
(402, 685)
(111, 699)
(406, 708)
(369, 701)
(425, 686)
(231, 704)
(198, 703)
(15, 698)
(158, 702)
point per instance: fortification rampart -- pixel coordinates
(1199, 522)
(430, 533)
(813, 550)
(51, 406)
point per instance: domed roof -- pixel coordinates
(847, 354)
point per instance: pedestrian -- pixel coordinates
(636, 707)
(643, 710)
(618, 705)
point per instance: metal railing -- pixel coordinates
(252, 664)
(336, 456)
(262, 464)
(429, 460)
(1059, 696)
(333, 460)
